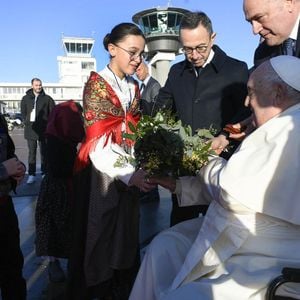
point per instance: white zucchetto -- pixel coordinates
(288, 69)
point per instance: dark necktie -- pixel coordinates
(198, 70)
(288, 47)
(142, 87)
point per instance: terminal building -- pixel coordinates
(73, 69)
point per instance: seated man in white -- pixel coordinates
(252, 227)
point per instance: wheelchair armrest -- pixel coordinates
(288, 275)
(291, 274)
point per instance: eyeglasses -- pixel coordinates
(190, 50)
(132, 55)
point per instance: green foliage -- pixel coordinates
(163, 146)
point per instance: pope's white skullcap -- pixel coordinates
(288, 69)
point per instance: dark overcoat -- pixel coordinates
(44, 105)
(214, 98)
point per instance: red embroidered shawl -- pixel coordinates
(104, 115)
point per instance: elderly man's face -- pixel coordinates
(196, 44)
(260, 97)
(273, 20)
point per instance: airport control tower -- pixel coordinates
(161, 29)
(77, 63)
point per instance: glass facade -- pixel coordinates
(87, 65)
(161, 22)
(78, 48)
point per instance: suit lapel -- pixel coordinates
(147, 88)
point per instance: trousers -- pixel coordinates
(32, 149)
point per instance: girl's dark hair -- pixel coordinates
(119, 32)
(191, 20)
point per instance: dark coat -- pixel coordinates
(12, 283)
(7, 151)
(149, 95)
(44, 105)
(215, 98)
(264, 52)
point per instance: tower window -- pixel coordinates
(87, 65)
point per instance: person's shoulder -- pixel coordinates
(178, 69)
(229, 59)
(28, 94)
(44, 95)
(153, 81)
(237, 62)
(48, 97)
(232, 62)
(264, 52)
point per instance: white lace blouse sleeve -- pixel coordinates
(104, 158)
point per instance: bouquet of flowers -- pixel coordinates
(163, 146)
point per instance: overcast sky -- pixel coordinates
(31, 30)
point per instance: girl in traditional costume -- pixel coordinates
(105, 254)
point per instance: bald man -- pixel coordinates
(275, 21)
(149, 89)
(252, 226)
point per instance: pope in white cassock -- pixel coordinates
(252, 227)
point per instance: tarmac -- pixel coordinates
(154, 217)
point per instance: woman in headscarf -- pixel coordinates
(105, 256)
(53, 212)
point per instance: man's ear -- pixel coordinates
(213, 36)
(279, 91)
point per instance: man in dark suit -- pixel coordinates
(149, 90)
(277, 22)
(36, 106)
(207, 89)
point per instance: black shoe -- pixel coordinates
(56, 273)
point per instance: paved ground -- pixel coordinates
(154, 218)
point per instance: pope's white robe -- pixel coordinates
(251, 229)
